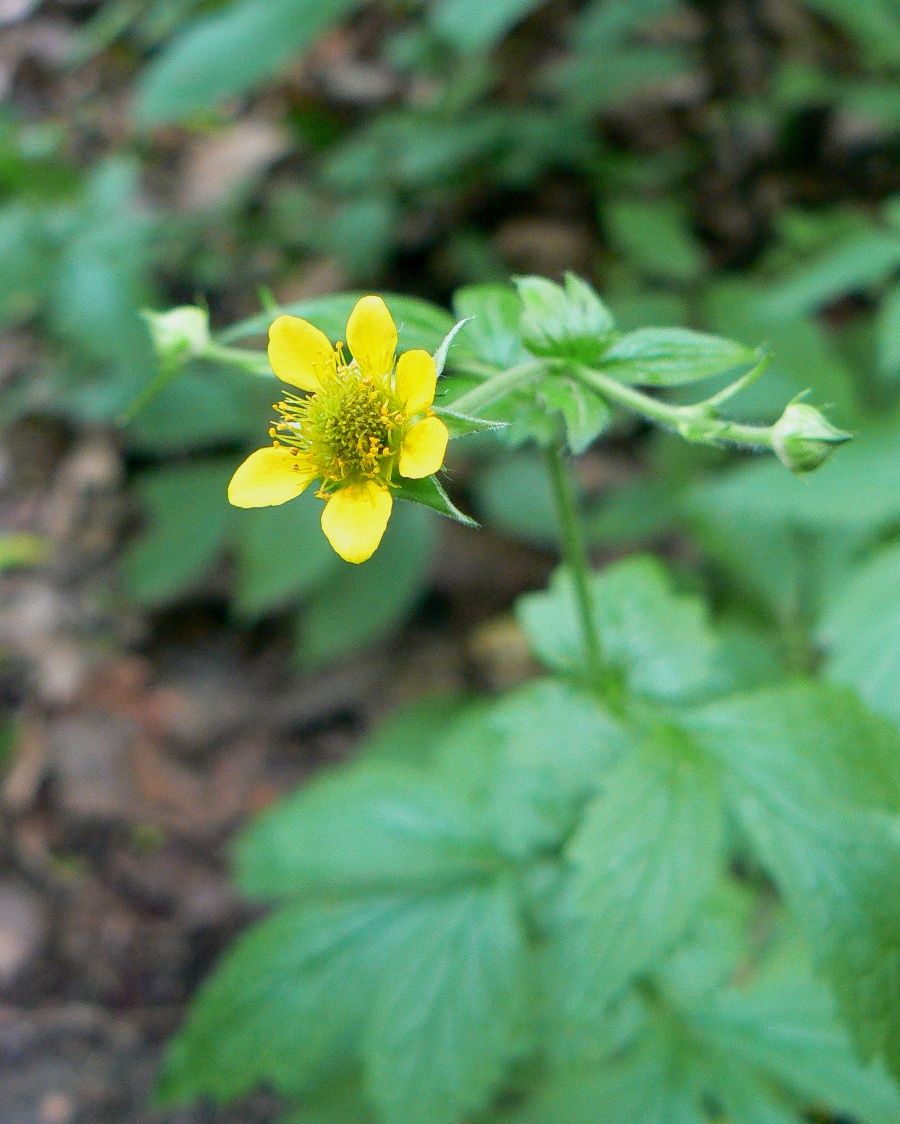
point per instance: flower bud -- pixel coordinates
(803, 438)
(179, 334)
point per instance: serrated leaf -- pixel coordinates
(809, 774)
(819, 731)
(376, 827)
(861, 633)
(780, 1021)
(585, 414)
(672, 357)
(429, 492)
(288, 1003)
(187, 520)
(565, 322)
(659, 639)
(443, 1026)
(649, 1083)
(554, 745)
(228, 51)
(645, 856)
(751, 1032)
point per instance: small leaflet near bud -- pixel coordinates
(802, 438)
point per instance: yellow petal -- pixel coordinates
(416, 380)
(267, 478)
(372, 336)
(299, 353)
(355, 519)
(423, 448)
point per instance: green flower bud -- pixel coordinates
(803, 438)
(179, 334)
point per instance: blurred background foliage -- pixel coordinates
(725, 165)
(728, 166)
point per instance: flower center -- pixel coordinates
(348, 429)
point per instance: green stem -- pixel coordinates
(253, 362)
(576, 559)
(496, 387)
(695, 423)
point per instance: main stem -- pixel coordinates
(575, 556)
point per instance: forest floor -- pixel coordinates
(142, 745)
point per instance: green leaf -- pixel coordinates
(854, 265)
(408, 735)
(758, 1038)
(672, 357)
(364, 602)
(342, 1102)
(809, 773)
(660, 640)
(471, 25)
(861, 633)
(656, 236)
(443, 1027)
(651, 1082)
(429, 492)
(281, 555)
(645, 856)
(817, 730)
(187, 521)
(227, 52)
(585, 414)
(565, 322)
(288, 1004)
(554, 746)
(779, 1021)
(372, 828)
(493, 334)
(420, 324)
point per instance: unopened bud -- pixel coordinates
(803, 438)
(179, 334)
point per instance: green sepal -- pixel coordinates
(440, 354)
(430, 493)
(461, 425)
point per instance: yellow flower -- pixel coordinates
(355, 428)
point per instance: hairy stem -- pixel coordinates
(697, 423)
